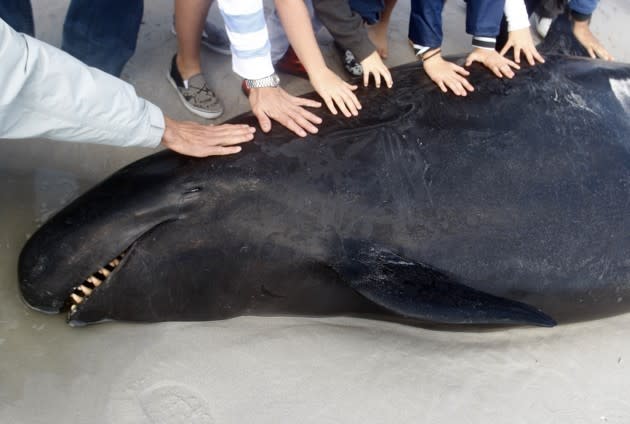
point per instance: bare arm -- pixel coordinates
(329, 86)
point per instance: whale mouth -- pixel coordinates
(81, 293)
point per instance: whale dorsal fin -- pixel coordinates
(416, 290)
(560, 39)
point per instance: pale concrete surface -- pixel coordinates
(276, 370)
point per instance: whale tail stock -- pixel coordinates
(416, 290)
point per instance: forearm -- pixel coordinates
(297, 24)
(47, 93)
(425, 25)
(483, 21)
(345, 25)
(246, 28)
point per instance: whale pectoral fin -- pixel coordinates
(416, 290)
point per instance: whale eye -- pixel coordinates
(193, 190)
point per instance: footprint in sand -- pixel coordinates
(169, 403)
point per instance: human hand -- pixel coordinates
(595, 49)
(498, 64)
(375, 66)
(447, 74)
(334, 90)
(521, 40)
(274, 103)
(193, 139)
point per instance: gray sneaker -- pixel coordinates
(213, 37)
(195, 94)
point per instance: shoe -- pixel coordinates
(350, 63)
(213, 37)
(195, 94)
(245, 89)
(290, 64)
(542, 25)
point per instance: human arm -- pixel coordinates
(581, 11)
(48, 93)
(335, 91)
(519, 35)
(346, 27)
(483, 21)
(425, 34)
(245, 26)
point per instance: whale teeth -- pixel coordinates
(84, 290)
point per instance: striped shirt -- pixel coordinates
(247, 30)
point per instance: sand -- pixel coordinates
(277, 370)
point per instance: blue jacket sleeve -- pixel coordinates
(425, 23)
(584, 8)
(483, 17)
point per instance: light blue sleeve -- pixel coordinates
(48, 93)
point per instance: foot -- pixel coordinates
(350, 63)
(194, 93)
(378, 36)
(290, 64)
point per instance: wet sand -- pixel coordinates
(276, 370)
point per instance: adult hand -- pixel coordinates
(193, 139)
(521, 40)
(447, 75)
(334, 90)
(498, 64)
(274, 103)
(375, 66)
(595, 49)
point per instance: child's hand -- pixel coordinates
(375, 66)
(493, 61)
(583, 33)
(447, 74)
(521, 40)
(335, 90)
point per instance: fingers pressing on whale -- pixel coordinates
(273, 103)
(193, 139)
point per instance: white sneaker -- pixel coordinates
(542, 25)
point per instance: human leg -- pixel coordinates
(103, 33)
(185, 73)
(378, 29)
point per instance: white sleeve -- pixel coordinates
(516, 14)
(48, 93)
(249, 39)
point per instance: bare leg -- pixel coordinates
(378, 31)
(190, 16)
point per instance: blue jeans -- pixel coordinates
(370, 10)
(100, 33)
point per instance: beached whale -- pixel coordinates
(509, 206)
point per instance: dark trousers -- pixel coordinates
(100, 33)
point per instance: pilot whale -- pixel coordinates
(509, 206)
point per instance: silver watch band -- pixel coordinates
(272, 80)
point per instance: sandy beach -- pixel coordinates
(277, 370)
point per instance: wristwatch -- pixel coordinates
(272, 80)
